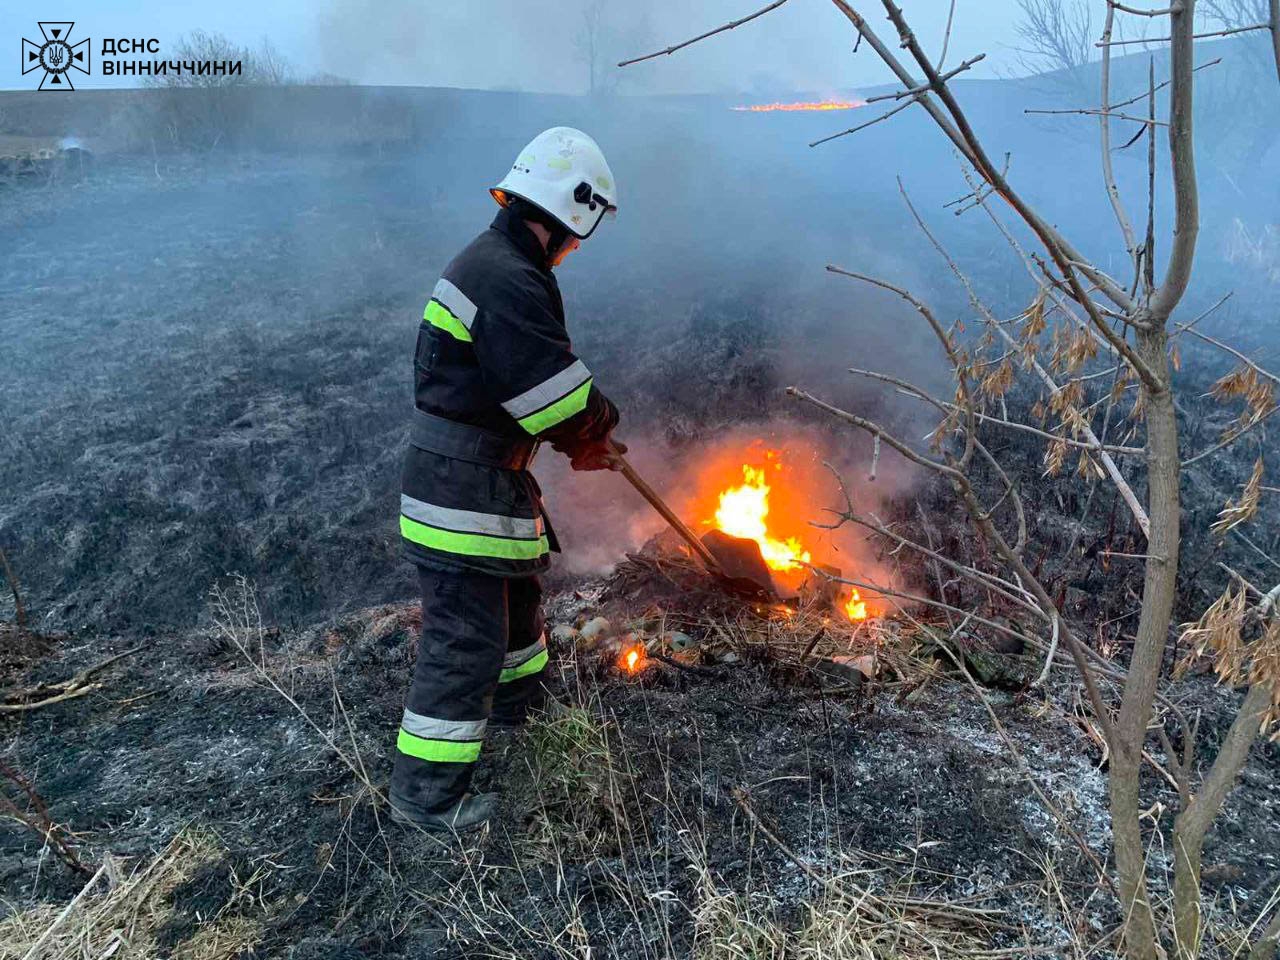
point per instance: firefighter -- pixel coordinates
(495, 376)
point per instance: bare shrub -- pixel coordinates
(1102, 355)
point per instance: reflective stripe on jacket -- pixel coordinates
(493, 352)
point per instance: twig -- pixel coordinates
(1164, 12)
(1230, 438)
(875, 460)
(1104, 113)
(1048, 659)
(987, 581)
(66, 912)
(19, 701)
(1229, 349)
(37, 818)
(946, 36)
(1164, 83)
(924, 87)
(1195, 36)
(914, 598)
(874, 429)
(1182, 328)
(862, 126)
(1108, 463)
(710, 33)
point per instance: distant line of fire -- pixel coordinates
(802, 105)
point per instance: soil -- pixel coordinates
(901, 780)
(205, 377)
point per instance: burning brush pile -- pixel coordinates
(776, 585)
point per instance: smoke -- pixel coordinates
(809, 467)
(507, 44)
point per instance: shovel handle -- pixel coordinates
(655, 501)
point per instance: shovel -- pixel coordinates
(735, 561)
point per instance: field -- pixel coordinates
(205, 382)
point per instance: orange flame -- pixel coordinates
(802, 105)
(855, 608)
(631, 659)
(742, 513)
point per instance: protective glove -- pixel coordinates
(598, 456)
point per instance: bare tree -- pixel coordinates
(1056, 35)
(1095, 346)
(605, 26)
(589, 42)
(201, 109)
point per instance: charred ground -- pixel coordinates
(205, 373)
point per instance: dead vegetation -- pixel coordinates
(123, 909)
(1100, 328)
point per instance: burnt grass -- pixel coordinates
(193, 390)
(915, 787)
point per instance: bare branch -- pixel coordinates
(1186, 328)
(1230, 438)
(924, 88)
(862, 126)
(1104, 113)
(1109, 464)
(875, 430)
(710, 33)
(1114, 5)
(944, 339)
(926, 602)
(1110, 289)
(987, 581)
(946, 36)
(1196, 36)
(1163, 83)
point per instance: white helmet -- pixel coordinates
(563, 172)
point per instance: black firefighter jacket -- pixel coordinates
(493, 353)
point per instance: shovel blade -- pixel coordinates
(741, 564)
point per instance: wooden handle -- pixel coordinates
(655, 501)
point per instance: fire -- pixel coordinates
(631, 659)
(742, 513)
(855, 608)
(802, 105)
(743, 510)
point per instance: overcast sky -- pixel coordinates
(531, 44)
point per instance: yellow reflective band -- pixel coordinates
(558, 412)
(532, 665)
(472, 544)
(438, 751)
(441, 318)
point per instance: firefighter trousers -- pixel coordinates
(481, 657)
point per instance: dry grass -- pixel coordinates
(580, 786)
(121, 911)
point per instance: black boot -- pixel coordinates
(472, 812)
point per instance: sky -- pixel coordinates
(533, 45)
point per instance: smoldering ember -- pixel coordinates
(603, 480)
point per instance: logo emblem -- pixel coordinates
(56, 56)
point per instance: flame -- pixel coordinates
(631, 659)
(742, 513)
(802, 105)
(743, 510)
(855, 608)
